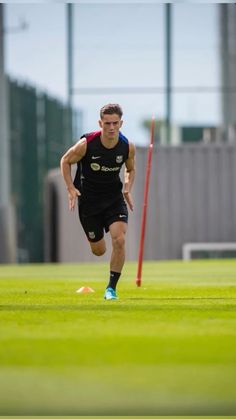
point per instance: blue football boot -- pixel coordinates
(110, 294)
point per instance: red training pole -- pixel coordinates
(145, 201)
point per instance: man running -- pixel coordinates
(97, 185)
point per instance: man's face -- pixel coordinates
(110, 125)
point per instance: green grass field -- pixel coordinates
(167, 348)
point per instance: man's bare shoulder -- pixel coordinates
(131, 149)
(75, 153)
(81, 142)
(80, 147)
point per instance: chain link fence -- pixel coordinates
(41, 128)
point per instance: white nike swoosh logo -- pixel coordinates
(96, 157)
(122, 216)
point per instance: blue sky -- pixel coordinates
(120, 45)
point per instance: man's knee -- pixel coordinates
(119, 242)
(98, 251)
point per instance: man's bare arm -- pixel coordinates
(129, 176)
(72, 156)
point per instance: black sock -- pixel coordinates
(114, 278)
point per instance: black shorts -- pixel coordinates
(94, 225)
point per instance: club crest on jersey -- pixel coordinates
(95, 166)
(91, 235)
(119, 159)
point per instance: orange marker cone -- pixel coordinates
(85, 289)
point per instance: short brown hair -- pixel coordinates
(110, 109)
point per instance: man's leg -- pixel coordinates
(117, 230)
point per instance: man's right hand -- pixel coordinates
(73, 193)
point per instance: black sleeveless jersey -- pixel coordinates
(98, 173)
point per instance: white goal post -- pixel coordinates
(188, 248)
